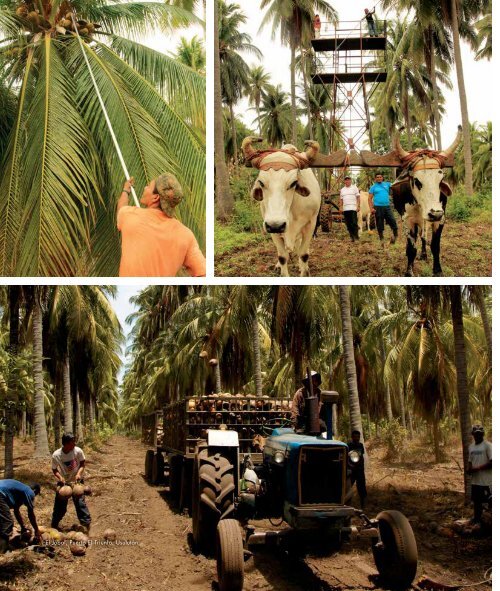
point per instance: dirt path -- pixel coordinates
(465, 252)
(153, 551)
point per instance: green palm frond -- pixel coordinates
(176, 82)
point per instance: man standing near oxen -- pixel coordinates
(380, 205)
(349, 206)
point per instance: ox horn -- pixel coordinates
(396, 143)
(312, 149)
(246, 145)
(449, 151)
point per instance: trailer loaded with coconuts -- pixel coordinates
(232, 459)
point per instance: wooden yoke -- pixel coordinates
(365, 159)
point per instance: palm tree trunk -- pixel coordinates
(224, 197)
(461, 369)
(467, 150)
(233, 133)
(259, 118)
(306, 92)
(292, 90)
(91, 416)
(78, 418)
(388, 407)
(350, 364)
(23, 424)
(218, 380)
(257, 367)
(14, 292)
(68, 410)
(479, 292)
(41, 439)
(403, 409)
(435, 101)
(57, 415)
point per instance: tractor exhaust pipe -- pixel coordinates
(312, 408)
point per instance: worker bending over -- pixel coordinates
(154, 242)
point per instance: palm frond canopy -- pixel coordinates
(60, 175)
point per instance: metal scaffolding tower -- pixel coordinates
(348, 61)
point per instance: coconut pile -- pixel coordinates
(37, 22)
(53, 539)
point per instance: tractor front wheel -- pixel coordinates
(229, 548)
(212, 498)
(395, 553)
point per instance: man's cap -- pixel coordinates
(313, 373)
(170, 192)
(477, 429)
(67, 437)
(347, 178)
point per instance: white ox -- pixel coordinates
(420, 195)
(290, 199)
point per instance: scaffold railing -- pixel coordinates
(350, 29)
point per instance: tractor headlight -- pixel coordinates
(354, 456)
(279, 457)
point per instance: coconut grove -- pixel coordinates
(411, 366)
(87, 92)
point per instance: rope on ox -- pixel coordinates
(301, 160)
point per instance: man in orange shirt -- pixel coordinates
(154, 242)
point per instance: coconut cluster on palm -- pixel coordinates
(59, 23)
(59, 173)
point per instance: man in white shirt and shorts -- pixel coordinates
(68, 465)
(349, 206)
(480, 463)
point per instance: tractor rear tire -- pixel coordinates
(229, 548)
(175, 462)
(396, 554)
(158, 470)
(148, 465)
(325, 217)
(212, 498)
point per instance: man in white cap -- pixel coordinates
(479, 466)
(299, 416)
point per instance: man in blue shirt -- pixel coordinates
(380, 205)
(14, 494)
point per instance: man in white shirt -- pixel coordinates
(349, 206)
(480, 463)
(68, 465)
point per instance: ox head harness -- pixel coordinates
(300, 160)
(422, 160)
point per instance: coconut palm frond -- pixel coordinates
(139, 18)
(58, 175)
(175, 81)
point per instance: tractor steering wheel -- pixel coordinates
(276, 423)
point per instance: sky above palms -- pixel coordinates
(124, 308)
(277, 61)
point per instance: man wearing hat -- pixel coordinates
(299, 417)
(349, 207)
(154, 242)
(480, 469)
(13, 495)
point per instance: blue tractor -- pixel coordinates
(302, 479)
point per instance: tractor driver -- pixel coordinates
(299, 415)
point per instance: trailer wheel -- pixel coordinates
(213, 497)
(175, 478)
(229, 548)
(148, 464)
(325, 217)
(396, 553)
(158, 470)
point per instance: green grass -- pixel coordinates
(462, 208)
(228, 238)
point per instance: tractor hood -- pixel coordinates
(287, 441)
